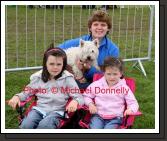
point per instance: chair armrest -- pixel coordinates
(23, 103)
(129, 119)
(138, 113)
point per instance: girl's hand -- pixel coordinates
(92, 108)
(14, 101)
(83, 65)
(128, 112)
(72, 106)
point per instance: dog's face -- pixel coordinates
(89, 50)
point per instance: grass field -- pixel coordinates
(14, 81)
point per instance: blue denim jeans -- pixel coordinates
(35, 119)
(97, 122)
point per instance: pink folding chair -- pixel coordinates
(23, 111)
(80, 118)
(128, 121)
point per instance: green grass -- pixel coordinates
(14, 81)
(55, 33)
(145, 94)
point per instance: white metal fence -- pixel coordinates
(30, 29)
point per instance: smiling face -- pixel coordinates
(54, 65)
(112, 75)
(99, 29)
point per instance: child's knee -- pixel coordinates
(27, 125)
(49, 123)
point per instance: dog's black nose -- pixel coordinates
(89, 58)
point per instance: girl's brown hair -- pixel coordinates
(113, 62)
(57, 52)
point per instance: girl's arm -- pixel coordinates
(71, 84)
(88, 98)
(89, 95)
(29, 90)
(131, 101)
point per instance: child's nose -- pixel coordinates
(112, 77)
(55, 66)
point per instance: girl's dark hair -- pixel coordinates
(57, 52)
(113, 62)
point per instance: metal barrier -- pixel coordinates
(30, 29)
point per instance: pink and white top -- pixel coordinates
(110, 101)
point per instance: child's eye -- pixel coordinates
(59, 64)
(51, 64)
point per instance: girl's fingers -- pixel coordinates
(92, 111)
(14, 106)
(19, 103)
(10, 103)
(13, 102)
(70, 109)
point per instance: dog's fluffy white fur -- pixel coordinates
(86, 51)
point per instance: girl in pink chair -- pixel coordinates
(107, 97)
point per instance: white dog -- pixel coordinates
(87, 51)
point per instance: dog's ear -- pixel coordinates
(96, 42)
(82, 43)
